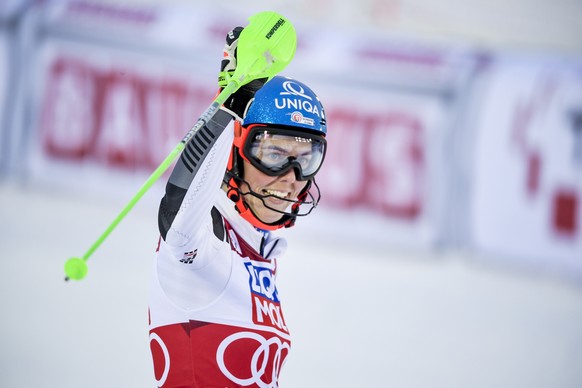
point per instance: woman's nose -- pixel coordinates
(289, 176)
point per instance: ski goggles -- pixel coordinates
(274, 151)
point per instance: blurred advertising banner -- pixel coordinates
(106, 115)
(391, 105)
(116, 87)
(527, 190)
(428, 146)
(384, 167)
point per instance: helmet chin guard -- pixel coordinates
(234, 192)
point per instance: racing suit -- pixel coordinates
(214, 312)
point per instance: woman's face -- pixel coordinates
(285, 186)
(274, 151)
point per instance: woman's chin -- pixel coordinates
(269, 216)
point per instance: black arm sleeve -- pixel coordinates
(187, 167)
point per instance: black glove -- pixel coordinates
(237, 104)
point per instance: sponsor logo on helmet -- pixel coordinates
(295, 98)
(297, 117)
(294, 89)
(296, 103)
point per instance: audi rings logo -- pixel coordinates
(156, 338)
(268, 351)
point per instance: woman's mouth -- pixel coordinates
(276, 193)
(276, 198)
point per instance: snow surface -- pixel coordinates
(372, 318)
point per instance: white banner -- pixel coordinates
(527, 194)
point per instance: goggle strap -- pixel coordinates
(240, 135)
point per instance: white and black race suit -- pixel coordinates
(215, 313)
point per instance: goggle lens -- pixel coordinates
(274, 151)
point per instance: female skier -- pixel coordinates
(215, 315)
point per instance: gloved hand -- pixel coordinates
(237, 104)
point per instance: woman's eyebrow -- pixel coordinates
(273, 147)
